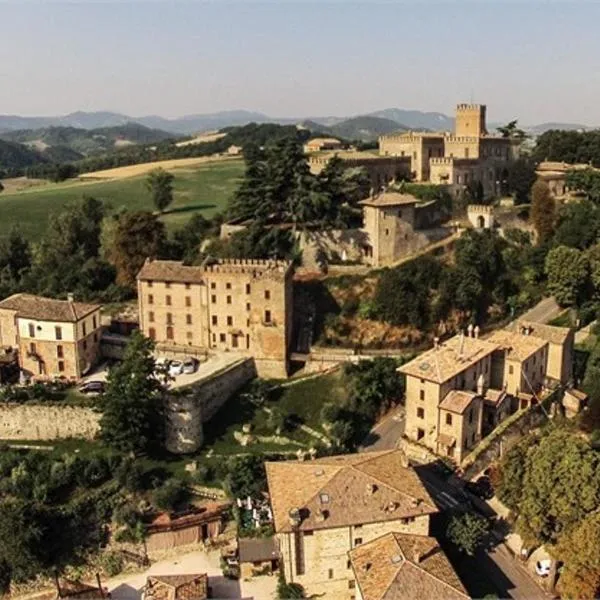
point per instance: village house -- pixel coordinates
(462, 388)
(469, 155)
(257, 556)
(53, 338)
(176, 587)
(324, 508)
(238, 306)
(322, 143)
(400, 566)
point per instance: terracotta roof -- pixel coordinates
(257, 549)
(550, 333)
(337, 491)
(399, 566)
(28, 306)
(208, 513)
(389, 199)
(177, 587)
(494, 397)
(457, 401)
(323, 140)
(449, 359)
(519, 347)
(176, 272)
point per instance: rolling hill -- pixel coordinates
(365, 128)
(17, 156)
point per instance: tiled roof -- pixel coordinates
(518, 346)
(28, 306)
(389, 199)
(177, 587)
(494, 397)
(399, 566)
(176, 272)
(337, 491)
(457, 401)
(550, 333)
(448, 359)
(257, 549)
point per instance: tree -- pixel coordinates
(578, 225)
(543, 210)
(577, 548)
(169, 495)
(512, 471)
(585, 180)
(246, 476)
(521, 176)
(132, 406)
(567, 271)
(467, 532)
(288, 591)
(137, 236)
(160, 184)
(187, 240)
(510, 130)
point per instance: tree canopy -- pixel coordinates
(160, 185)
(567, 270)
(543, 210)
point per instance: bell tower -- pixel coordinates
(470, 120)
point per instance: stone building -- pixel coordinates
(400, 566)
(481, 216)
(242, 306)
(397, 224)
(54, 338)
(468, 155)
(461, 389)
(324, 508)
(322, 143)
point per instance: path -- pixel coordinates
(386, 433)
(545, 310)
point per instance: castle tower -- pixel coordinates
(470, 120)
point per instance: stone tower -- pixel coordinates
(470, 120)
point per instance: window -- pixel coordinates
(247, 288)
(95, 337)
(152, 333)
(169, 319)
(59, 352)
(400, 213)
(247, 341)
(31, 330)
(188, 301)
(170, 333)
(420, 434)
(94, 322)
(267, 295)
(267, 316)
(421, 394)
(228, 285)
(187, 286)
(213, 299)
(215, 320)
(168, 300)
(230, 321)
(351, 584)
(58, 333)
(228, 299)
(234, 341)
(247, 305)
(247, 322)
(387, 232)
(330, 573)
(470, 415)
(167, 285)
(466, 153)
(151, 317)
(357, 541)
(448, 419)
(420, 413)
(61, 365)
(473, 438)
(84, 345)
(32, 348)
(214, 337)
(222, 337)
(510, 369)
(149, 283)
(150, 299)
(189, 335)
(348, 565)
(84, 328)
(188, 319)
(213, 286)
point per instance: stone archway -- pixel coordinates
(480, 222)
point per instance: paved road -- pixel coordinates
(543, 311)
(386, 433)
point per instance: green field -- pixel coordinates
(206, 189)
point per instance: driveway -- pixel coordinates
(129, 587)
(386, 433)
(545, 310)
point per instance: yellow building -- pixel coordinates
(468, 155)
(242, 306)
(324, 508)
(54, 338)
(399, 566)
(322, 143)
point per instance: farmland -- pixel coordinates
(203, 187)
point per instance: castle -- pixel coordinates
(469, 155)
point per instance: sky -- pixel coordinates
(535, 61)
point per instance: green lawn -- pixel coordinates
(206, 188)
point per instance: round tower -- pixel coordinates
(183, 416)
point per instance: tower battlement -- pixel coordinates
(480, 209)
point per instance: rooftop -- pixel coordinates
(337, 491)
(389, 199)
(399, 566)
(28, 306)
(449, 358)
(457, 401)
(323, 140)
(518, 346)
(494, 397)
(177, 587)
(550, 333)
(176, 272)
(257, 549)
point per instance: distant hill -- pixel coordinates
(17, 156)
(62, 143)
(415, 119)
(365, 129)
(543, 127)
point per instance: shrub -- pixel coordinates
(169, 495)
(112, 563)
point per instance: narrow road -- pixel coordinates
(545, 310)
(386, 433)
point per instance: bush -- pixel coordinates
(467, 532)
(170, 495)
(112, 563)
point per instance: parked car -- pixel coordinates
(542, 567)
(93, 387)
(175, 368)
(189, 366)
(161, 365)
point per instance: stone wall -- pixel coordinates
(47, 422)
(330, 244)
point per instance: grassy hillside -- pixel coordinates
(206, 189)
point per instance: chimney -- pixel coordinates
(462, 343)
(436, 342)
(476, 331)
(417, 556)
(470, 330)
(294, 516)
(322, 515)
(371, 488)
(70, 297)
(480, 385)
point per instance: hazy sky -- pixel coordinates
(538, 61)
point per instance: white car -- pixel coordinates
(189, 366)
(542, 567)
(175, 368)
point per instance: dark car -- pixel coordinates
(93, 387)
(482, 488)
